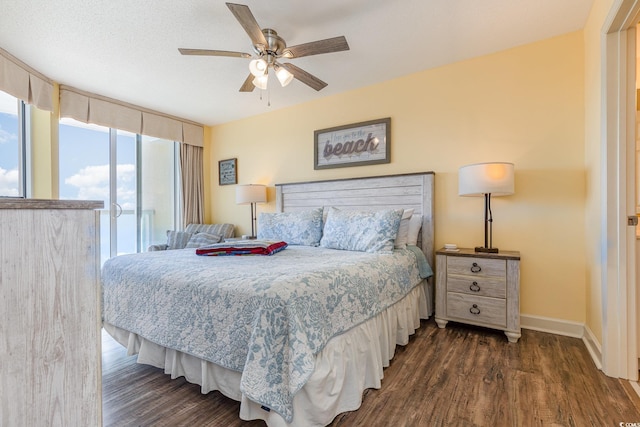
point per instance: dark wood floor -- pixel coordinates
(459, 376)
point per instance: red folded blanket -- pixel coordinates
(242, 247)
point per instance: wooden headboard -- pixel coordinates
(379, 192)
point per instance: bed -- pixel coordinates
(313, 337)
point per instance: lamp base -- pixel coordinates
(486, 250)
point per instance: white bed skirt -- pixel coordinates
(349, 364)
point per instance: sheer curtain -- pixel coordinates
(192, 184)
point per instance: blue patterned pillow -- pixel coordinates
(295, 228)
(362, 231)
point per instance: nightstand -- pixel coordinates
(479, 289)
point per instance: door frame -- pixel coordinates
(619, 320)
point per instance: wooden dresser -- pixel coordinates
(50, 347)
(480, 289)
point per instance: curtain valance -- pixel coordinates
(91, 108)
(25, 83)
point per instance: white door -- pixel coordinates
(619, 334)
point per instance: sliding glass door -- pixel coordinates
(123, 194)
(132, 174)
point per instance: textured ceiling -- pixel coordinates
(128, 50)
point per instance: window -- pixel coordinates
(12, 147)
(133, 175)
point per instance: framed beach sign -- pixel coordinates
(358, 144)
(228, 172)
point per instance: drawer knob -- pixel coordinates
(475, 268)
(474, 287)
(474, 309)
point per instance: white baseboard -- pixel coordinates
(566, 328)
(553, 326)
(593, 346)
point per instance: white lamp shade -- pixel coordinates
(284, 76)
(258, 67)
(486, 178)
(251, 193)
(261, 82)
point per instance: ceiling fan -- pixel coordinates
(269, 47)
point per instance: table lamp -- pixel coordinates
(486, 179)
(251, 194)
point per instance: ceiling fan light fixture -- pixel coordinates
(258, 67)
(261, 81)
(283, 75)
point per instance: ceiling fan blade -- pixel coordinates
(208, 52)
(306, 78)
(248, 86)
(245, 17)
(335, 44)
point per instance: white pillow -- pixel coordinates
(365, 231)
(415, 224)
(403, 231)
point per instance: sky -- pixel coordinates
(8, 145)
(84, 164)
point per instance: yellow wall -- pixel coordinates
(525, 105)
(44, 151)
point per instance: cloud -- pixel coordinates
(92, 183)
(7, 136)
(8, 182)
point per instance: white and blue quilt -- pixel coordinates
(266, 317)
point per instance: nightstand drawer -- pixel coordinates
(495, 287)
(477, 266)
(475, 309)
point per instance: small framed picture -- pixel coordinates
(228, 171)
